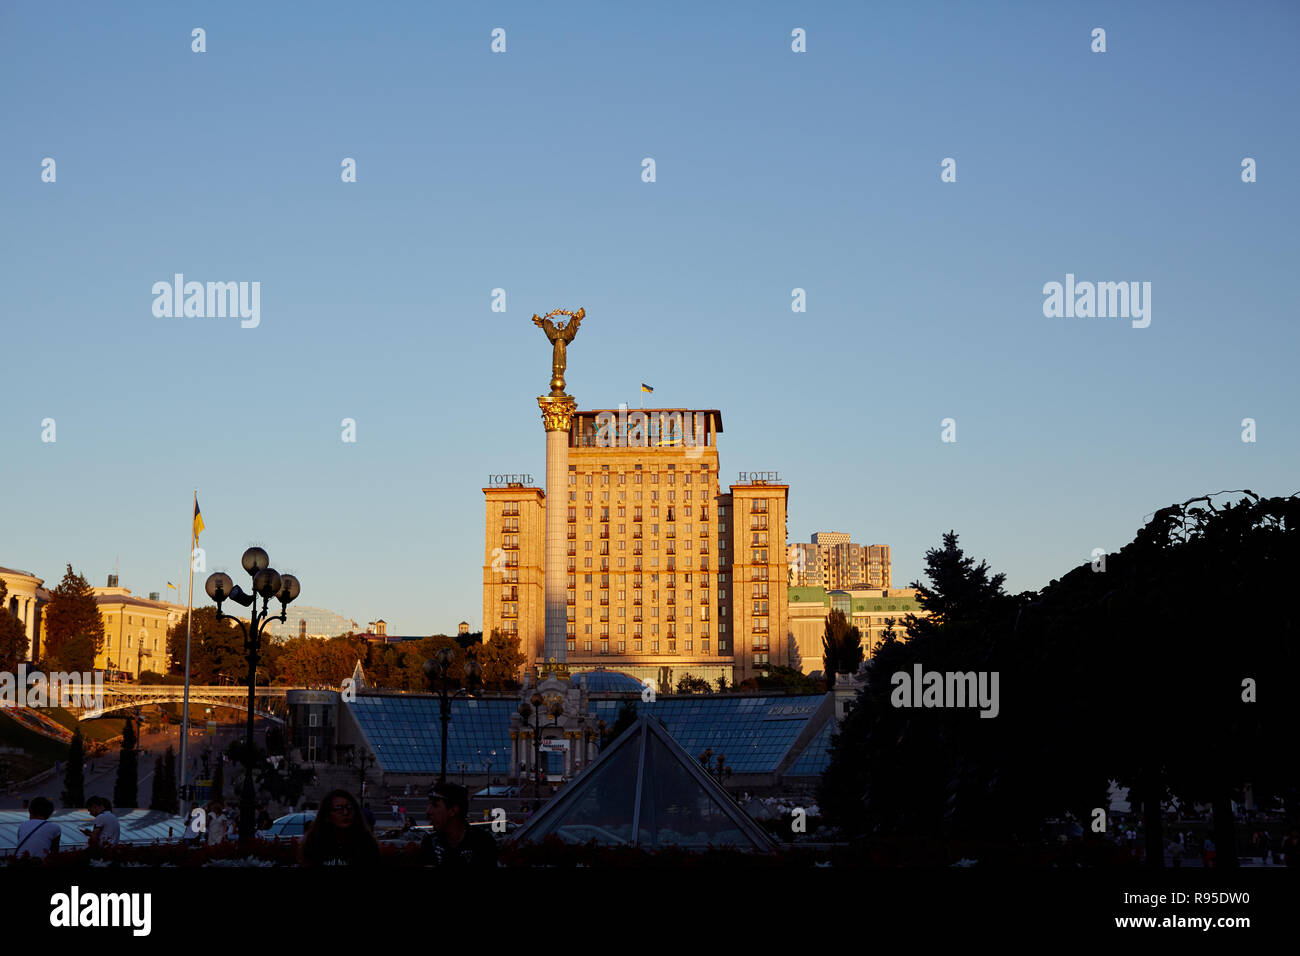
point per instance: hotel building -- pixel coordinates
(667, 571)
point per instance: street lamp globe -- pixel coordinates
(218, 586)
(267, 583)
(255, 560)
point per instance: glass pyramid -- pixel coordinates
(645, 790)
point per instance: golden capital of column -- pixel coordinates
(557, 411)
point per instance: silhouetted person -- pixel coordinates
(107, 831)
(37, 836)
(339, 835)
(455, 844)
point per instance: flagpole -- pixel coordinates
(185, 706)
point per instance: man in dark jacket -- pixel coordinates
(454, 843)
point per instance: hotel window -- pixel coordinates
(636, 645)
(604, 647)
(588, 498)
(573, 479)
(636, 480)
(704, 645)
(688, 644)
(622, 479)
(574, 644)
(654, 478)
(589, 481)
(622, 646)
(654, 647)
(586, 645)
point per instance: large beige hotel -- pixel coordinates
(668, 572)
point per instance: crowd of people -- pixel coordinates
(342, 833)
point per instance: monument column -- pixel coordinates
(557, 413)
(557, 416)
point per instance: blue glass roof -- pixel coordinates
(816, 757)
(405, 732)
(612, 682)
(753, 733)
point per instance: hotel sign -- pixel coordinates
(788, 712)
(504, 481)
(759, 476)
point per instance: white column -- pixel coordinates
(29, 619)
(557, 499)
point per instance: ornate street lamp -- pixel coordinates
(535, 711)
(267, 583)
(436, 672)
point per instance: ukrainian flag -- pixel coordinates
(646, 388)
(198, 519)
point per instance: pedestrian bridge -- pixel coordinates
(268, 702)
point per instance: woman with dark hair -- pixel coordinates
(339, 835)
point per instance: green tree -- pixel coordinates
(171, 788)
(13, 642)
(687, 684)
(158, 793)
(501, 660)
(625, 719)
(216, 648)
(74, 780)
(841, 647)
(790, 680)
(74, 629)
(126, 791)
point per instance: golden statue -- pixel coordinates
(559, 336)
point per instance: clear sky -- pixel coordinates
(523, 170)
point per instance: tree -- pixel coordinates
(74, 629)
(74, 781)
(126, 792)
(625, 719)
(841, 647)
(722, 683)
(501, 660)
(790, 680)
(934, 773)
(13, 642)
(157, 796)
(693, 685)
(171, 787)
(216, 648)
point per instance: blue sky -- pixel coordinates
(522, 170)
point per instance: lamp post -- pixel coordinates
(436, 672)
(360, 759)
(535, 711)
(268, 583)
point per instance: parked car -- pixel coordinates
(289, 826)
(498, 792)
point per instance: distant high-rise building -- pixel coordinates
(834, 561)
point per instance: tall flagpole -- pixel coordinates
(185, 706)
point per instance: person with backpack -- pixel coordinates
(37, 836)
